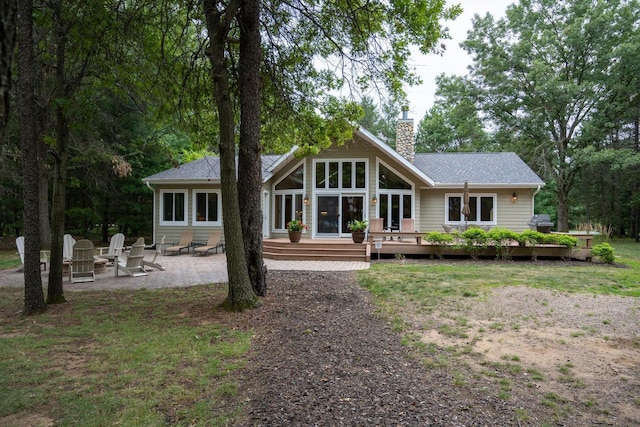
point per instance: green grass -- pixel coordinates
(401, 284)
(9, 259)
(122, 357)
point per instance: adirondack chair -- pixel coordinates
(133, 265)
(43, 254)
(115, 248)
(153, 263)
(407, 225)
(212, 243)
(185, 243)
(82, 263)
(376, 226)
(67, 248)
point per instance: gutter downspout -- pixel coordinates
(533, 199)
(154, 211)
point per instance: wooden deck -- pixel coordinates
(346, 250)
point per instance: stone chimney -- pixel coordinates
(404, 136)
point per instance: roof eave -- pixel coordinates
(182, 181)
(369, 137)
(456, 185)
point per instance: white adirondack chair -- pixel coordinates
(133, 265)
(67, 248)
(20, 246)
(82, 264)
(115, 248)
(153, 263)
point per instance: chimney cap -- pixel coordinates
(405, 111)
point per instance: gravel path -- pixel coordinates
(324, 357)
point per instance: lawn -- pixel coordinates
(121, 357)
(170, 357)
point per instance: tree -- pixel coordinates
(371, 41)
(7, 45)
(249, 160)
(29, 135)
(453, 123)
(545, 72)
(219, 23)
(383, 125)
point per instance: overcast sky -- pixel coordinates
(455, 60)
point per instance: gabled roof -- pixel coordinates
(485, 169)
(437, 170)
(206, 169)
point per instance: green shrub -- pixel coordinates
(531, 237)
(475, 240)
(439, 240)
(604, 251)
(568, 241)
(502, 238)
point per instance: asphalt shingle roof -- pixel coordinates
(442, 168)
(206, 168)
(476, 168)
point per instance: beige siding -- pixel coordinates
(511, 215)
(172, 233)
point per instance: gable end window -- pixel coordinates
(173, 207)
(207, 208)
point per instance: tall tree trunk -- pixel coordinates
(7, 48)
(43, 211)
(240, 295)
(55, 292)
(29, 135)
(249, 160)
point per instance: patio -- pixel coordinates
(180, 271)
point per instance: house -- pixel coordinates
(361, 179)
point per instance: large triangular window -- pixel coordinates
(388, 180)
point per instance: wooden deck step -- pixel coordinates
(318, 250)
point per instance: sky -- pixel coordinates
(454, 60)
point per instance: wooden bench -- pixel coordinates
(391, 234)
(585, 239)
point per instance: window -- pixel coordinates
(395, 195)
(206, 208)
(481, 207)
(173, 207)
(345, 174)
(288, 198)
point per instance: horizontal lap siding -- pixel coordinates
(513, 216)
(173, 233)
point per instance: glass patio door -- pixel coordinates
(327, 215)
(352, 209)
(334, 212)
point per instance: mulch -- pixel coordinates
(324, 356)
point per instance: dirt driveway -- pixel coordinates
(574, 354)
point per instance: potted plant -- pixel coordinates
(295, 228)
(357, 228)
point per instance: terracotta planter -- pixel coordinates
(294, 236)
(357, 236)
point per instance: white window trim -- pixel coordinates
(293, 192)
(392, 191)
(194, 212)
(186, 204)
(462, 220)
(339, 188)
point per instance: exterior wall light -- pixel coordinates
(306, 199)
(374, 200)
(514, 197)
